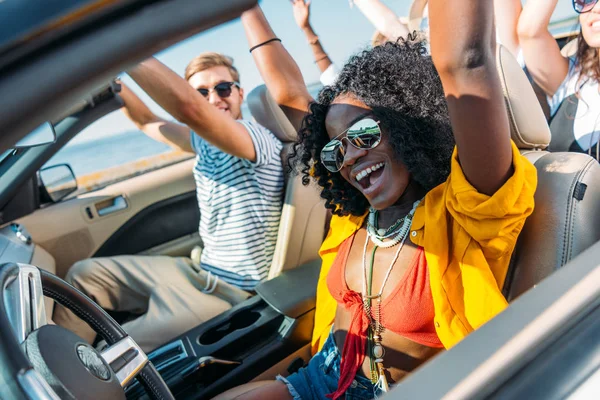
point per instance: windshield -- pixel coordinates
(4, 156)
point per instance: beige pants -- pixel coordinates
(168, 291)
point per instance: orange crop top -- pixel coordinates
(407, 311)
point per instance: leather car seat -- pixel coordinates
(302, 224)
(566, 218)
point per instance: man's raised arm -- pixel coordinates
(189, 107)
(170, 133)
(277, 67)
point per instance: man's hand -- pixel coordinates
(301, 13)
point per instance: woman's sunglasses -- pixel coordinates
(223, 89)
(583, 6)
(364, 134)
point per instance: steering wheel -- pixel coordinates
(51, 362)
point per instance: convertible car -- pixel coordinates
(57, 65)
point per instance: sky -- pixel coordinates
(342, 30)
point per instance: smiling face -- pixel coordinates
(590, 26)
(208, 79)
(376, 173)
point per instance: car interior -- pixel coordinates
(263, 334)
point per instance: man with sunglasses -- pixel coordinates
(239, 180)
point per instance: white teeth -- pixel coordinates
(365, 172)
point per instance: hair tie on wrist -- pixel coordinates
(321, 59)
(263, 43)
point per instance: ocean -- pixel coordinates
(106, 152)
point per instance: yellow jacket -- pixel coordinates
(468, 239)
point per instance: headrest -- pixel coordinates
(528, 125)
(267, 113)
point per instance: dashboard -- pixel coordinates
(16, 244)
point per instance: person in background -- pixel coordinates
(569, 82)
(507, 14)
(389, 28)
(382, 18)
(420, 191)
(329, 71)
(239, 185)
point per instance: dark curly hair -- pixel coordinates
(400, 84)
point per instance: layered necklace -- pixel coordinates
(395, 235)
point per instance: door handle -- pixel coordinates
(110, 206)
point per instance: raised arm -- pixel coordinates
(507, 14)
(277, 67)
(189, 107)
(302, 16)
(384, 19)
(464, 55)
(173, 134)
(542, 55)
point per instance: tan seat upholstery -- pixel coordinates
(301, 228)
(566, 219)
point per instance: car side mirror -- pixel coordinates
(58, 181)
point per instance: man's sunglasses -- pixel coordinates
(223, 89)
(364, 134)
(583, 6)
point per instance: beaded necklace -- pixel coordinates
(375, 349)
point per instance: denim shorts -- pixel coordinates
(320, 377)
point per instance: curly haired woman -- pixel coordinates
(428, 195)
(570, 82)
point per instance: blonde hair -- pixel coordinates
(209, 60)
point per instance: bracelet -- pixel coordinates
(322, 58)
(314, 40)
(263, 43)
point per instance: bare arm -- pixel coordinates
(507, 14)
(384, 19)
(302, 15)
(189, 107)
(542, 55)
(277, 68)
(174, 135)
(464, 55)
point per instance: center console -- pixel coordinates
(238, 345)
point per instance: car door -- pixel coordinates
(134, 195)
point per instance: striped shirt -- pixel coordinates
(240, 207)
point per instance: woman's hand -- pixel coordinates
(301, 13)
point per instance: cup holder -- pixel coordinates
(240, 320)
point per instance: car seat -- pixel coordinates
(302, 224)
(566, 218)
